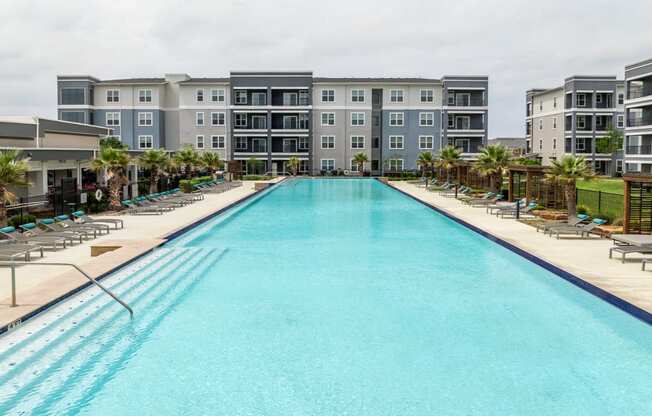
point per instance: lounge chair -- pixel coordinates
(624, 250)
(85, 219)
(16, 250)
(32, 230)
(65, 222)
(134, 209)
(511, 212)
(581, 230)
(10, 233)
(571, 221)
(484, 202)
(493, 208)
(49, 224)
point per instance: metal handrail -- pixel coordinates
(13, 264)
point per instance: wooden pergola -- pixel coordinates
(637, 216)
(530, 173)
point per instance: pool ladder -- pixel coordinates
(13, 265)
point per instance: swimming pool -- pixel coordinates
(331, 297)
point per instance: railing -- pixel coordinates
(645, 149)
(639, 120)
(638, 91)
(13, 265)
(463, 102)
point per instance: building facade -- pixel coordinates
(638, 108)
(573, 118)
(273, 116)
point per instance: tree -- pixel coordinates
(567, 171)
(13, 172)
(187, 159)
(610, 143)
(493, 162)
(449, 158)
(426, 162)
(157, 162)
(252, 165)
(112, 141)
(211, 161)
(293, 164)
(114, 162)
(360, 159)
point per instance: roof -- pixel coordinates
(133, 81)
(205, 80)
(18, 119)
(379, 80)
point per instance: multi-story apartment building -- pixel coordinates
(272, 116)
(571, 119)
(638, 108)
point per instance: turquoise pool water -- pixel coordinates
(333, 297)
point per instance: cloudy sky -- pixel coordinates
(519, 44)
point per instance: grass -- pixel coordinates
(615, 186)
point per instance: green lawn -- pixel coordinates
(605, 185)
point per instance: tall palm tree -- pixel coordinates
(156, 161)
(114, 161)
(360, 159)
(211, 161)
(493, 162)
(567, 171)
(13, 172)
(186, 159)
(426, 162)
(449, 158)
(293, 164)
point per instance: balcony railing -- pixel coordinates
(639, 120)
(465, 102)
(638, 91)
(644, 149)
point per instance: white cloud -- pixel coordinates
(520, 45)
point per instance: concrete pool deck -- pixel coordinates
(37, 286)
(587, 259)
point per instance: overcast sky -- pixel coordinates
(519, 44)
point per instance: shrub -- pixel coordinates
(617, 222)
(604, 216)
(254, 178)
(583, 209)
(185, 186)
(18, 220)
(93, 205)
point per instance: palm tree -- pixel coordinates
(13, 172)
(293, 164)
(360, 159)
(449, 158)
(427, 163)
(493, 161)
(156, 161)
(114, 161)
(187, 159)
(211, 161)
(113, 141)
(567, 171)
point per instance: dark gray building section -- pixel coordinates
(638, 117)
(17, 130)
(56, 126)
(477, 88)
(73, 90)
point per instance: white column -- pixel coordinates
(79, 176)
(44, 178)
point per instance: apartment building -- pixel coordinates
(273, 116)
(638, 108)
(572, 118)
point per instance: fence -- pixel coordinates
(601, 203)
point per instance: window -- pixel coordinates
(620, 121)
(451, 98)
(258, 122)
(375, 164)
(199, 119)
(145, 142)
(395, 119)
(580, 143)
(217, 142)
(554, 102)
(258, 98)
(396, 142)
(396, 96)
(327, 96)
(290, 98)
(357, 96)
(144, 96)
(426, 119)
(375, 120)
(619, 166)
(357, 142)
(74, 116)
(303, 143)
(354, 165)
(540, 105)
(581, 122)
(199, 142)
(217, 96)
(303, 98)
(598, 122)
(540, 145)
(581, 100)
(327, 119)
(145, 119)
(426, 142)
(357, 119)
(328, 142)
(290, 122)
(554, 144)
(112, 96)
(451, 121)
(240, 143)
(554, 122)
(113, 118)
(621, 100)
(72, 96)
(240, 120)
(241, 97)
(375, 142)
(598, 98)
(540, 124)
(217, 119)
(427, 96)
(395, 165)
(199, 96)
(327, 164)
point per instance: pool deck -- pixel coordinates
(587, 259)
(37, 286)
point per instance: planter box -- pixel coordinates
(551, 215)
(259, 186)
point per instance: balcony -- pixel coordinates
(604, 100)
(465, 123)
(639, 88)
(290, 145)
(466, 99)
(250, 146)
(247, 121)
(290, 98)
(245, 97)
(639, 119)
(290, 122)
(644, 149)
(469, 145)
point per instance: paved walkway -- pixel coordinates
(39, 285)
(587, 259)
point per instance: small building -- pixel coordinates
(518, 145)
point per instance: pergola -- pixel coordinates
(638, 204)
(531, 173)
